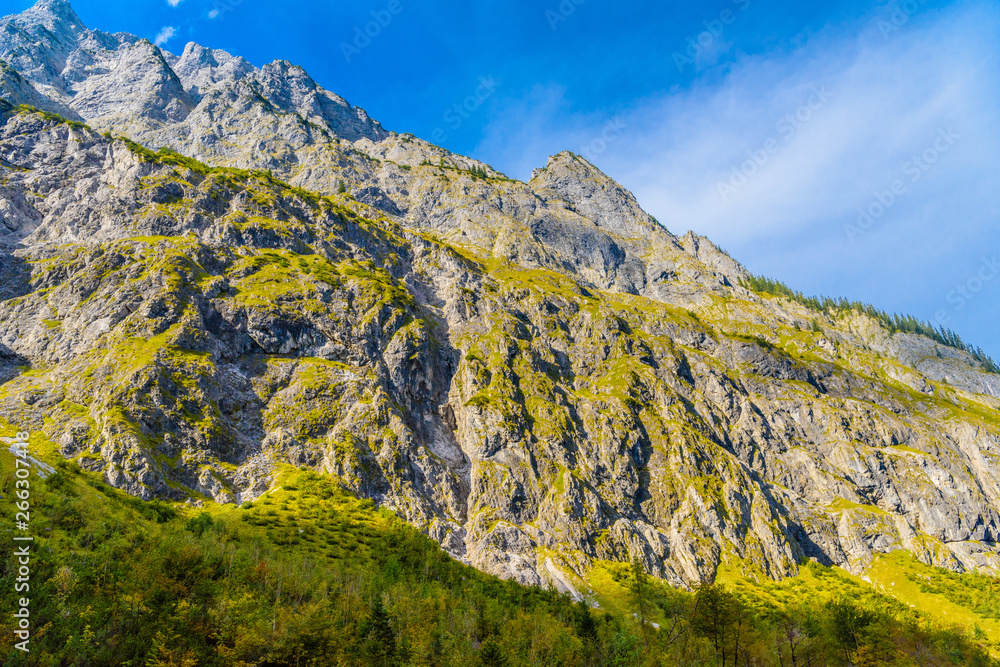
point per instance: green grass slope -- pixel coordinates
(310, 575)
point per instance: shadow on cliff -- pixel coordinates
(11, 364)
(796, 532)
(15, 275)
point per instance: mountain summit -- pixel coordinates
(56, 16)
(209, 271)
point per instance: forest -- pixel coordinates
(311, 575)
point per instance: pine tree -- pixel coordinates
(380, 639)
(716, 614)
(640, 594)
(491, 654)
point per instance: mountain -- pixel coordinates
(210, 269)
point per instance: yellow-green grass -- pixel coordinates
(315, 516)
(932, 591)
(302, 508)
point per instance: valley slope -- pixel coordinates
(538, 375)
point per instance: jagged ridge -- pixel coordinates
(539, 375)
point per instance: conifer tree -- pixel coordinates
(380, 639)
(491, 654)
(640, 594)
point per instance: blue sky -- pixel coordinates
(847, 148)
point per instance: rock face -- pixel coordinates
(538, 374)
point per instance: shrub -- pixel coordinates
(201, 523)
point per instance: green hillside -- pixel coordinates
(310, 575)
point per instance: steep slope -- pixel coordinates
(308, 575)
(189, 327)
(538, 375)
(221, 110)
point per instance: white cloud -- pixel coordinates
(165, 35)
(213, 14)
(703, 158)
(889, 98)
(174, 3)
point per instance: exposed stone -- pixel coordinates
(540, 375)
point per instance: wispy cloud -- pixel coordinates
(879, 113)
(165, 35)
(888, 96)
(174, 3)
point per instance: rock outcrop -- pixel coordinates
(537, 374)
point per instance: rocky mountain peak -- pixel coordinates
(704, 250)
(38, 41)
(89, 75)
(200, 67)
(595, 194)
(56, 15)
(196, 57)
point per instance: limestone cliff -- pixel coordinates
(537, 374)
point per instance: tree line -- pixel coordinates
(894, 323)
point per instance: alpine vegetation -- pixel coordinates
(318, 392)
